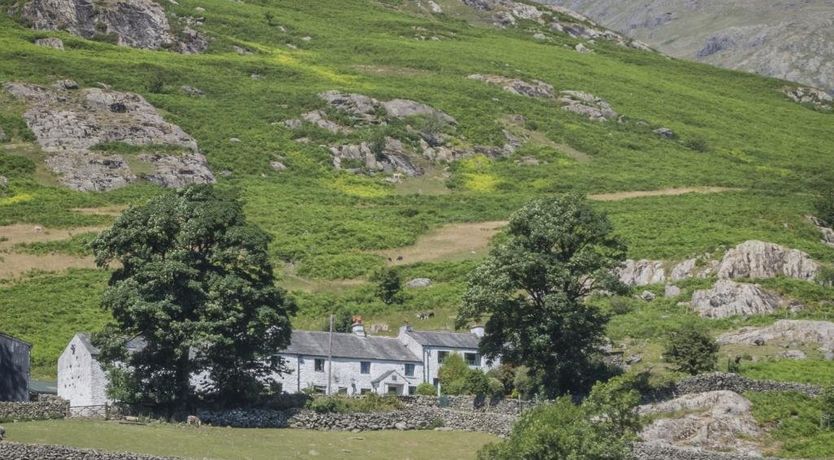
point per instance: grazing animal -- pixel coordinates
(425, 315)
(38, 229)
(194, 420)
(399, 258)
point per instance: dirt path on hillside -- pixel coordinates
(619, 196)
(112, 211)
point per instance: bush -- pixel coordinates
(389, 286)
(692, 350)
(827, 403)
(456, 378)
(698, 144)
(426, 389)
(824, 207)
(603, 427)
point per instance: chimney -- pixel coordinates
(357, 327)
(405, 328)
(477, 330)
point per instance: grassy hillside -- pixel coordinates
(735, 131)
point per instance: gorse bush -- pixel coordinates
(824, 206)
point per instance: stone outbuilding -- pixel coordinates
(14, 368)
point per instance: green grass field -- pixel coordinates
(331, 227)
(250, 444)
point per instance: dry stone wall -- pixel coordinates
(731, 382)
(18, 451)
(48, 408)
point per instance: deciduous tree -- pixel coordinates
(531, 288)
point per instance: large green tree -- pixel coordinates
(193, 279)
(532, 290)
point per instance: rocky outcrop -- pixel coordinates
(75, 126)
(802, 332)
(536, 88)
(18, 451)
(812, 96)
(418, 283)
(642, 272)
(178, 171)
(693, 268)
(390, 157)
(826, 231)
(758, 259)
(510, 13)
(55, 43)
(654, 451)
(728, 298)
(586, 105)
(716, 420)
(135, 23)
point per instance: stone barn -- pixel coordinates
(14, 368)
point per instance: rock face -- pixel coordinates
(135, 23)
(728, 298)
(535, 88)
(802, 332)
(758, 259)
(642, 272)
(587, 105)
(787, 40)
(816, 97)
(691, 268)
(715, 420)
(70, 124)
(391, 157)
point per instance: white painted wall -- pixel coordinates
(431, 361)
(81, 380)
(347, 375)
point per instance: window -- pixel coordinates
(364, 391)
(435, 382)
(319, 389)
(319, 363)
(365, 367)
(472, 359)
(412, 390)
(409, 370)
(342, 390)
(441, 355)
(394, 390)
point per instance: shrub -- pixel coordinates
(827, 403)
(697, 144)
(824, 207)
(389, 285)
(601, 428)
(426, 389)
(692, 350)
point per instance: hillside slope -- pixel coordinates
(363, 133)
(783, 39)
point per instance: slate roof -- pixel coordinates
(347, 345)
(446, 339)
(135, 344)
(9, 337)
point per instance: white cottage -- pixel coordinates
(366, 364)
(353, 363)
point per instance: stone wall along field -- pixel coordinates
(645, 451)
(47, 408)
(17, 451)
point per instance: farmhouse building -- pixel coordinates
(81, 379)
(14, 369)
(353, 363)
(366, 364)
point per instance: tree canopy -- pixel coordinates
(532, 288)
(192, 279)
(692, 350)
